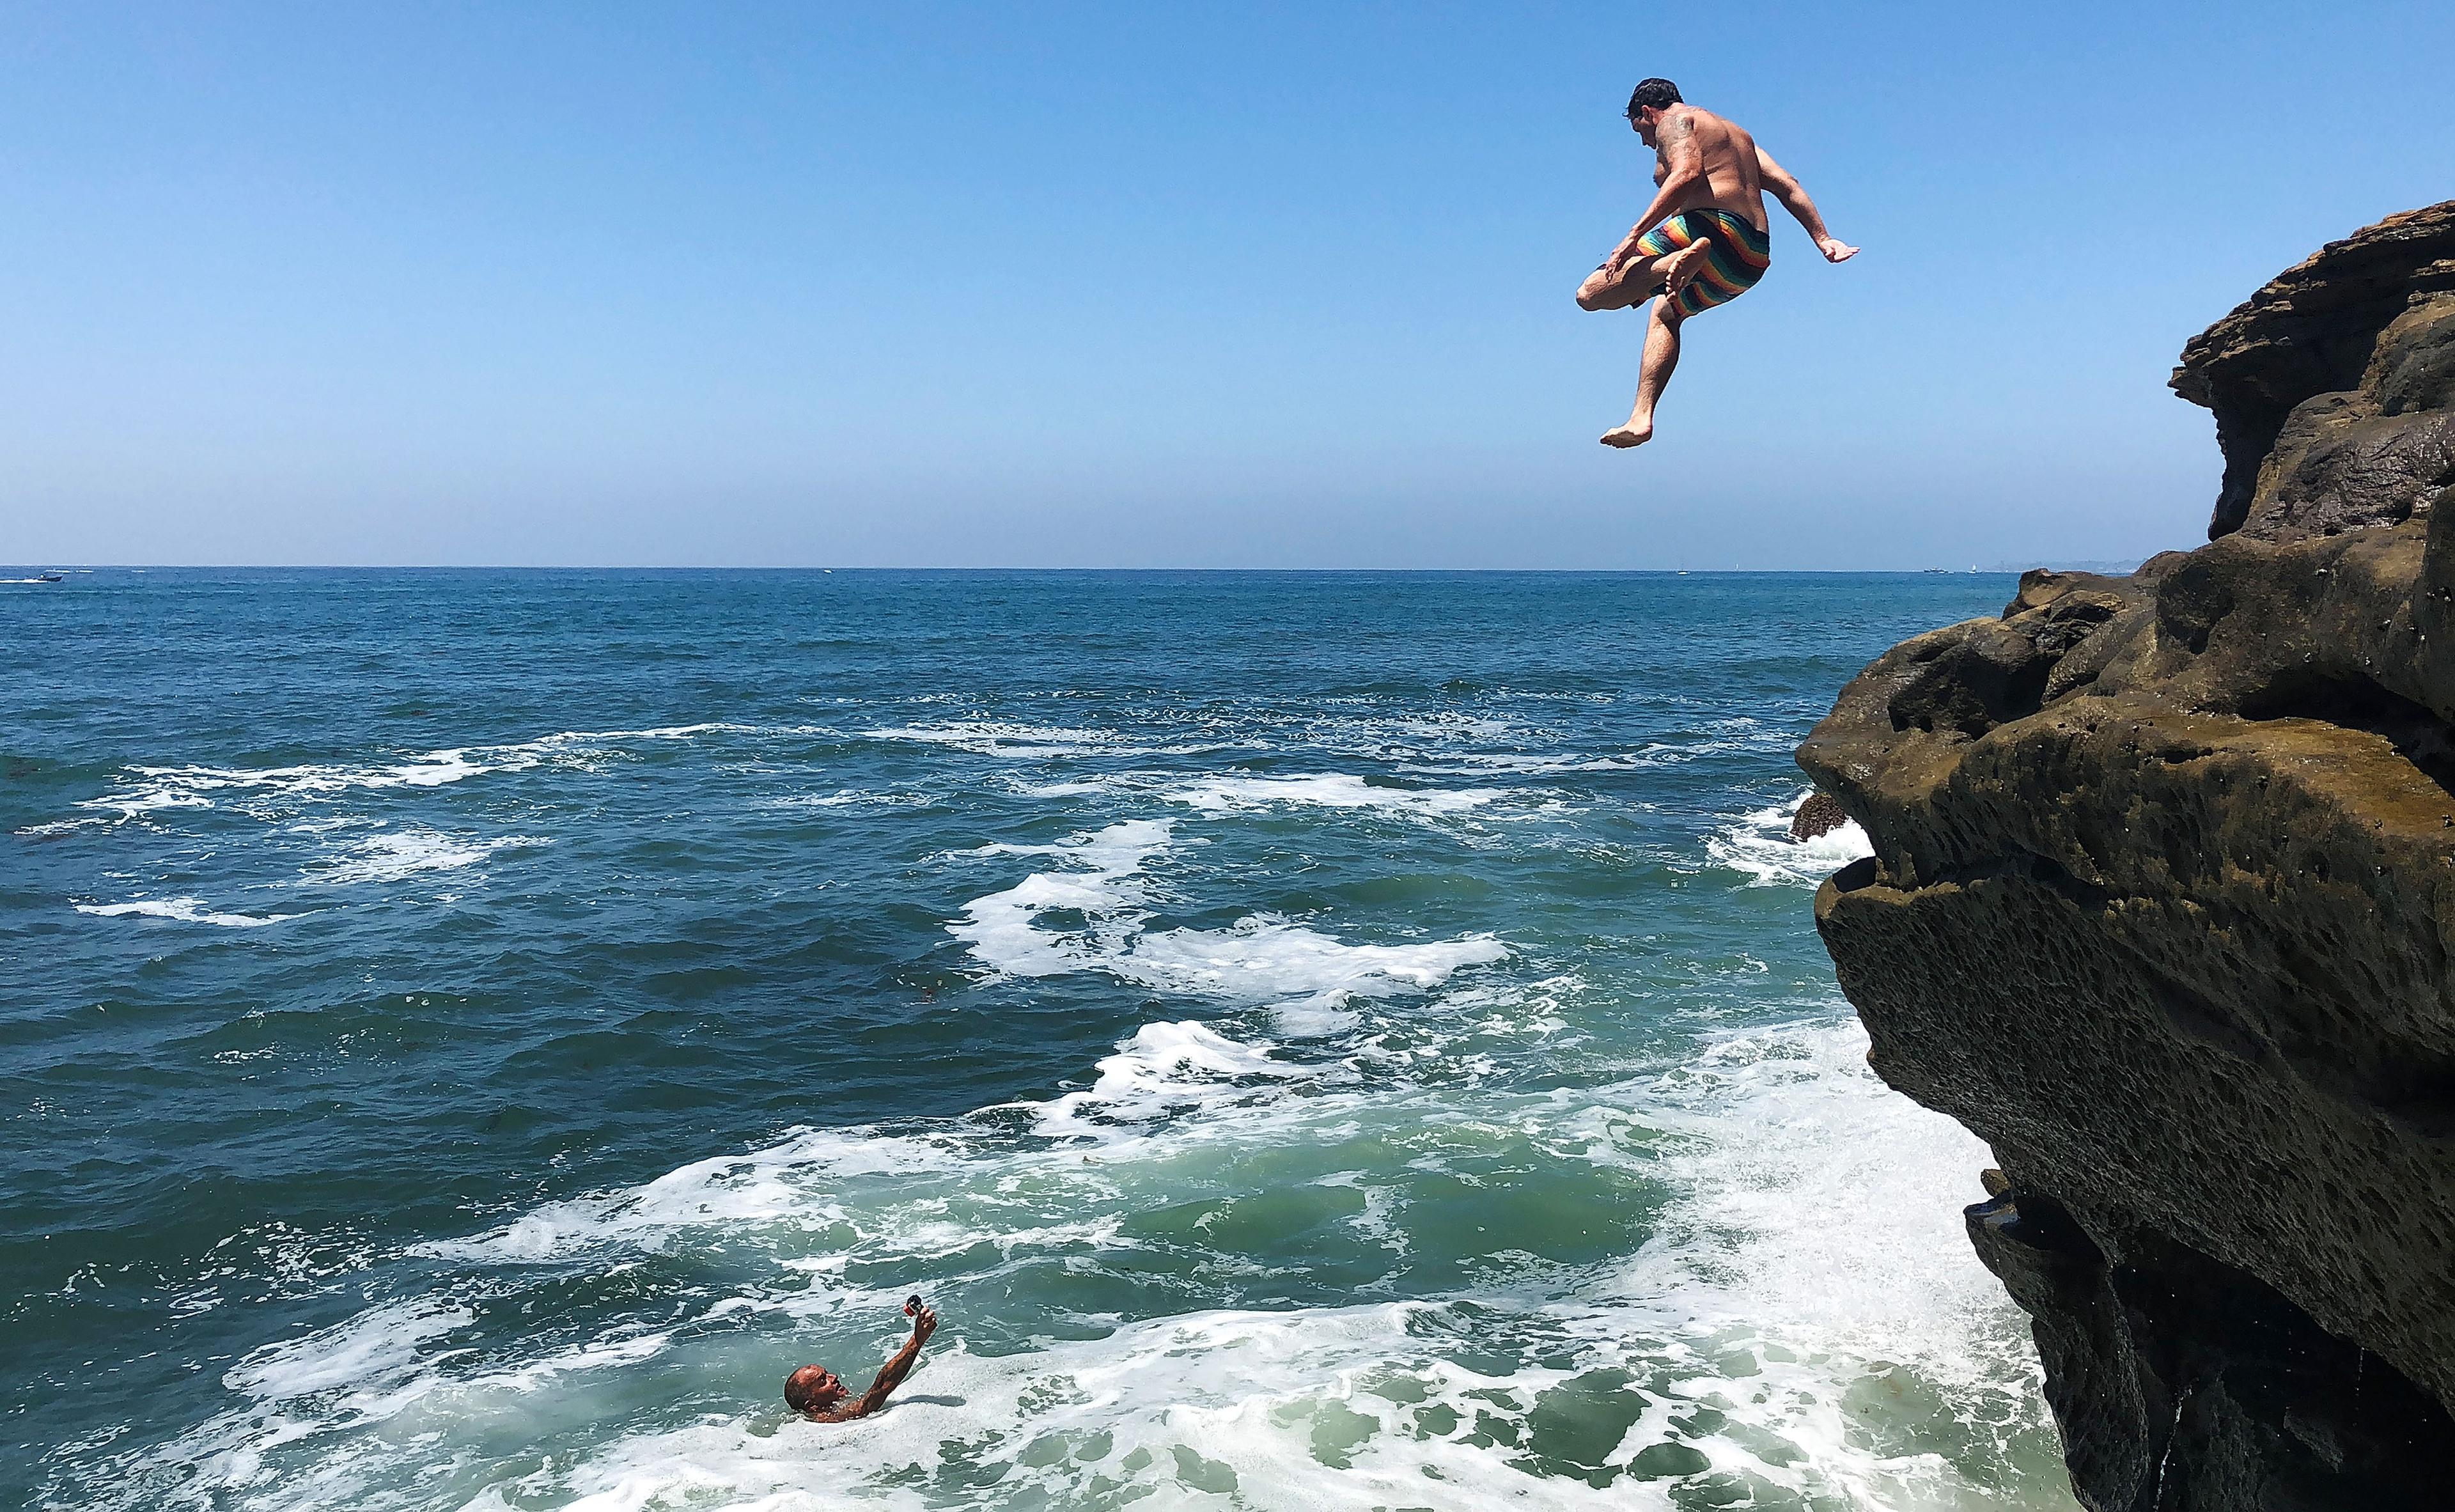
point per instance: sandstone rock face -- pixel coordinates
(2332, 387)
(2162, 906)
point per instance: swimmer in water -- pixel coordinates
(820, 1395)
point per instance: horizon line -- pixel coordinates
(2108, 565)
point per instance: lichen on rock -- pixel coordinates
(2162, 904)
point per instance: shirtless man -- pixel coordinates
(820, 1395)
(1704, 240)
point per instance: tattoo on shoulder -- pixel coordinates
(1678, 125)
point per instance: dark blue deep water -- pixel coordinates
(1323, 1040)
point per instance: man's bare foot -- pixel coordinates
(1630, 434)
(1681, 268)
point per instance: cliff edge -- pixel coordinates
(2329, 385)
(2162, 906)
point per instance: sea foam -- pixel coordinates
(1260, 958)
(393, 855)
(1334, 790)
(1770, 1324)
(1036, 742)
(150, 789)
(1758, 843)
(186, 911)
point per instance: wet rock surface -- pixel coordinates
(2162, 904)
(1821, 814)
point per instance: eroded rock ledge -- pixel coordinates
(2162, 907)
(2330, 384)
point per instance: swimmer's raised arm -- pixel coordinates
(890, 1375)
(818, 1394)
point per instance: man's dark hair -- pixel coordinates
(1652, 94)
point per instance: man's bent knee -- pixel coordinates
(1621, 291)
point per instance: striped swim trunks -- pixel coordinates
(1740, 255)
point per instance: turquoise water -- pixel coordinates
(1322, 1041)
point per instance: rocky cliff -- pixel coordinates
(2330, 385)
(2162, 906)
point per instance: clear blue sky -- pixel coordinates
(1139, 285)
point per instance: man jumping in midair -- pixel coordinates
(1703, 241)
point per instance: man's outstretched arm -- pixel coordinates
(1779, 183)
(890, 1376)
(1683, 165)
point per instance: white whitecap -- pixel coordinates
(996, 737)
(771, 1185)
(1064, 789)
(843, 798)
(1038, 741)
(1100, 882)
(1163, 1068)
(184, 910)
(376, 1348)
(152, 789)
(1260, 958)
(391, 855)
(1331, 790)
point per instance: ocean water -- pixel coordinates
(1323, 1041)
